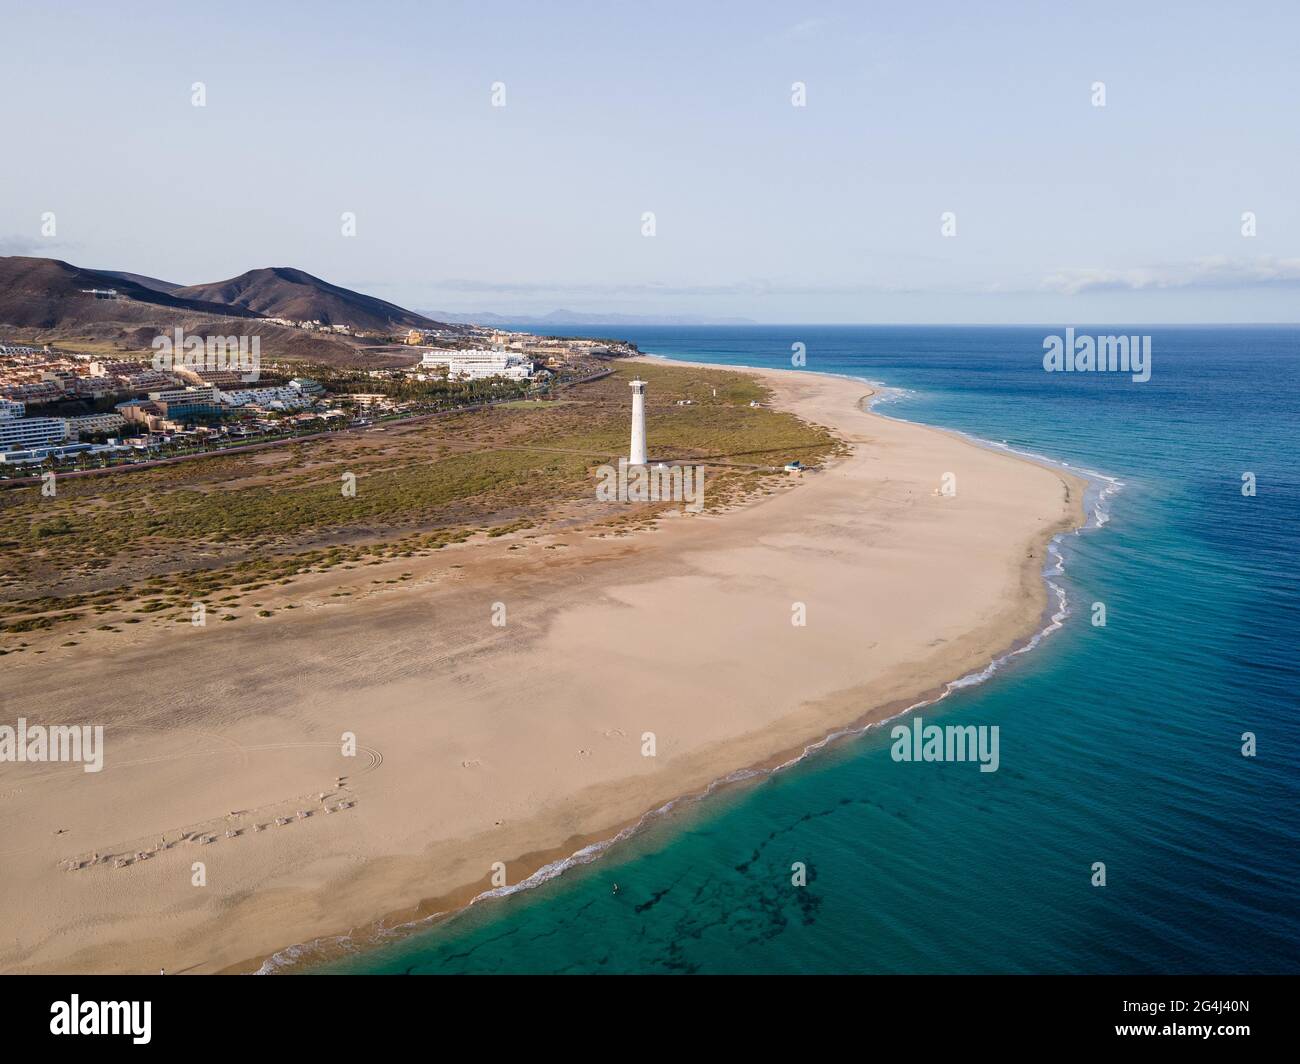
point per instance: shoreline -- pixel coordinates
(401, 924)
(394, 926)
(778, 739)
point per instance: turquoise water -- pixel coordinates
(1119, 744)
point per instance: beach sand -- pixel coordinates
(478, 743)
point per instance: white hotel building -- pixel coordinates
(23, 433)
(19, 433)
(287, 398)
(479, 364)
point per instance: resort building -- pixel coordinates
(24, 433)
(132, 377)
(141, 412)
(277, 398)
(517, 371)
(93, 423)
(220, 377)
(479, 363)
(35, 392)
(186, 402)
(40, 454)
(307, 386)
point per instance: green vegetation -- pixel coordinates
(160, 539)
(439, 392)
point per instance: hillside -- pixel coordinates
(284, 292)
(53, 294)
(51, 301)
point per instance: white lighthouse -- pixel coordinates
(636, 455)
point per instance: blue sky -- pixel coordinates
(825, 213)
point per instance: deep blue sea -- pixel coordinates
(1120, 744)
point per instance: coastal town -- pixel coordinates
(68, 409)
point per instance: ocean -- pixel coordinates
(1121, 744)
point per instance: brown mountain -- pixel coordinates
(53, 294)
(51, 301)
(284, 292)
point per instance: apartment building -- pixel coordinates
(23, 433)
(275, 397)
(93, 423)
(187, 402)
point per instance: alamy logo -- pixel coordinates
(1098, 354)
(237, 354)
(103, 1017)
(57, 742)
(657, 483)
(953, 742)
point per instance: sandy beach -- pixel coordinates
(478, 742)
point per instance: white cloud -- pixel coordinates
(757, 287)
(1217, 272)
(13, 244)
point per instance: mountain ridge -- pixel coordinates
(57, 301)
(288, 292)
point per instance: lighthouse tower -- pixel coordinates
(637, 452)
